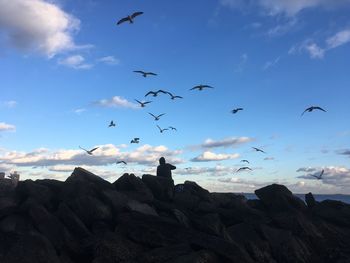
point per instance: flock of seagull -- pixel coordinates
(145, 74)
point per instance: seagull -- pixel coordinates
(234, 111)
(173, 97)
(145, 74)
(89, 152)
(310, 109)
(318, 177)
(258, 150)
(143, 104)
(135, 140)
(245, 161)
(172, 128)
(129, 18)
(161, 130)
(112, 124)
(155, 93)
(243, 169)
(122, 162)
(156, 118)
(201, 87)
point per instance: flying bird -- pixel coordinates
(145, 74)
(318, 177)
(156, 118)
(129, 18)
(172, 128)
(173, 97)
(258, 150)
(312, 108)
(201, 87)
(143, 104)
(122, 162)
(155, 93)
(135, 140)
(234, 111)
(161, 130)
(112, 124)
(245, 161)
(89, 152)
(244, 169)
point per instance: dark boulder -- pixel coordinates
(171, 253)
(202, 256)
(161, 187)
(116, 200)
(310, 200)
(134, 188)
(335, 212)
(32, 190)
(277, 198)
(136, 206)
(7, 206)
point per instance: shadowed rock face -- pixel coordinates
(89, 220)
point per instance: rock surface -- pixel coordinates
(87, 219)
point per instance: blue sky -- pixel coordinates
(67, 71)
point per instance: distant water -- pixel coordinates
(343, 198)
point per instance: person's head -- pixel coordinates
(162, 160)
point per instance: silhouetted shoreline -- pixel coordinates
(149, 219)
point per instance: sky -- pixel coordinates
(67, 72)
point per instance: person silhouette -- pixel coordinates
(164, 169)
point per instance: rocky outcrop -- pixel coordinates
(89, 220)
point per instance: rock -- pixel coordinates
(310, 200)
(210, 224)
(134, 188)
(136, 206)
(335, 212)
(181, 218)
(30, 189)
(277, 198)
(16, 223)
(161, 187)
(6, 188)
(7, 206)
(167, 254)
(27, 248)
(202, 256)
(116, 200)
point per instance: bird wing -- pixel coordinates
(151, 73)
(319, 108)
(308, 109)
(159, 128)
(196, 87)
(320, 176)
(179, 97)
(146, 102)
(136, 14)
(83, 149)
(207, 86)
(162, 91)
(160, 115)
(152, 115)
(94, 149)
(122, 20)
(138, 101)
(139, 71)
(150, 92)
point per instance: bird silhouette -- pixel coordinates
(172, 128)
(143, 104)
(129, 18)
(244, 169)
(144, 73)
(156, 118)
(112, 124)
(118, 162)
(201, 87)
(245, 161)
(162, 130)
(135, 140)
(173, 97)
(312, 108)
(155, 93)
(89, 152)
(234, 111)
(318, 177)
(258, 150)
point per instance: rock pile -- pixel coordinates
(87, 219)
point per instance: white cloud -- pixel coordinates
(282, 29)
(116, 102)
(333, 175)
(10, 104)
(7, 127)
(76, 62)
(227, 142)
(272, 63)
(314, 50)
(208, 156)
(242, 64)
(109, 60)
(218, 170)
(80, 110)
(339, 39)
(38, 25)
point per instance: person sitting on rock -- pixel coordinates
(164, 169)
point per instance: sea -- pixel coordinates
(319, 198)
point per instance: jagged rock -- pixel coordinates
(6, 187)
(161, 187)
(7, 206)
(167, 254)
(277, 198)
(332, 211)
(116, 200)
(136, 206)
(31, 190)
(134, 188)
(209, 223)
(181, 218)
(310, 200)
(16, 223)
(26, 248)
